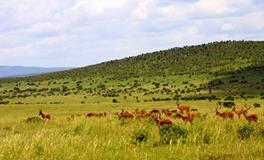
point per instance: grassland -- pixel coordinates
(200, 76)
(210, 137)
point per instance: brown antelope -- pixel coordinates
(226, 114)
(182, 107)
(91, 114)
(240, 111)
(102, 114)
(125, 114)
(45, 115)
(149, 114)
(161, 122)
(250, 117)
(167, 112)
(155, 111)
(195, 113)
(187, 118)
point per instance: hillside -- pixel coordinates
(19, 71)
(214, 71)
(191, 60)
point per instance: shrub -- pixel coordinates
(229, 98)
(228, 104)
(169, 134)
(256, 105)
(244, 132)
(140, 136)
(114, 101)
(4, 102)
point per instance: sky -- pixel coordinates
(74, 33)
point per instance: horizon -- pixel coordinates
(78, 33)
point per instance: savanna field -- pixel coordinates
(210, 136)
(228, 81)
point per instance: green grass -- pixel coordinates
(111, 138)
(154, 80)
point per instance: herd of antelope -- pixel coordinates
(242, 111)
(184, 112)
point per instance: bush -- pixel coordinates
(228, 104)
(33, 120)
(229, 98)
(4, 102)
(244, 132)
(114, 101)
(256, 105)
(140, 136)
(169, 134)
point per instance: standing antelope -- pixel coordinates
(226, 114)
(161, 122)
(250, 117)
(240, 112)
(182, 107)
(125, 114)
(187, 118)
(45, 115)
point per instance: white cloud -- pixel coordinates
(227, 27)
(142, 10)
(98, 8)
(82, 32)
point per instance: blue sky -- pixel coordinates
(53, 33)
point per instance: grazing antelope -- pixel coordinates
(140, 114)
(174, 110)
(250, 117)
(155, 111)
(182, 107)
(161, 122)
(167, 112)
(91, 114)
(45, 115)
(102, 114)
(125, 114)
(225, 114)
(149, 114)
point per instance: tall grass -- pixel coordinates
(110, 138)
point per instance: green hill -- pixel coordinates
(210, 71)
(190, 60)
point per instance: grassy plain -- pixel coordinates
(111, 138)
(202, 75)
